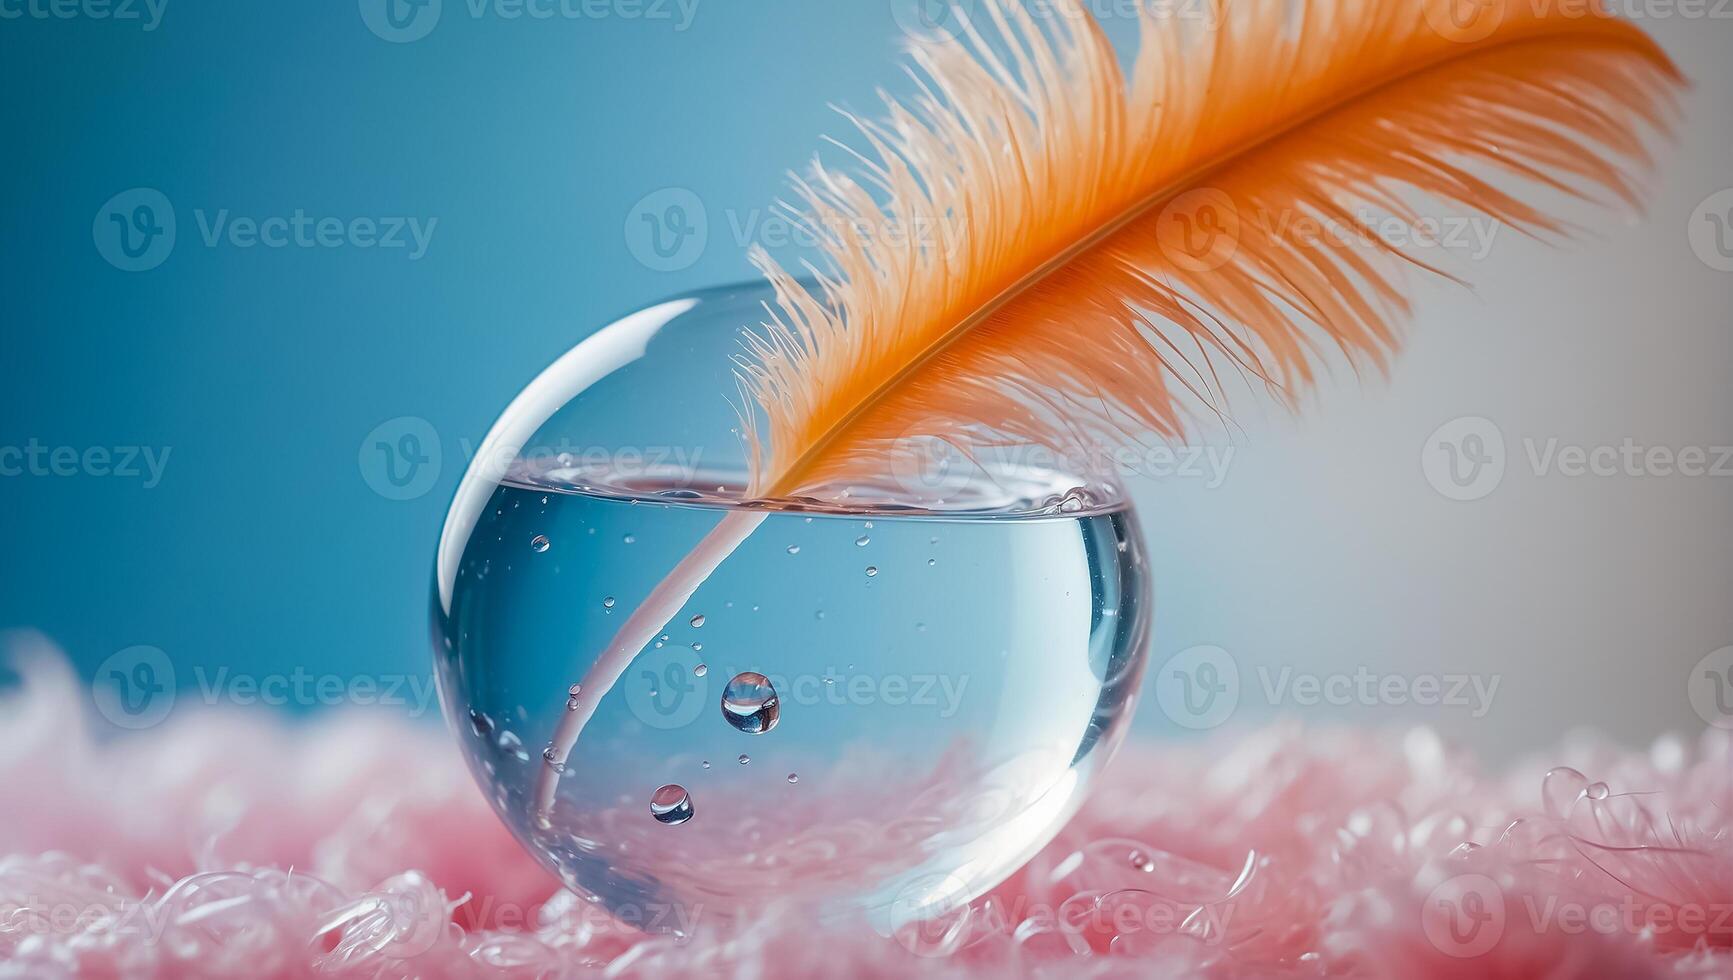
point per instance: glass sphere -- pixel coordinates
(879, 708)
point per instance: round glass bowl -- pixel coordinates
(877, 710)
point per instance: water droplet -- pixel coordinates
(1141, 861)
(551, 756)
(872, 570)
(862, 541)
(794, 549)
(697, 620)
(749, 703)
(1560, 789)
(607, 602)
(744, 759)
(671, 804)
(700, 670)
(793, 777)
(539, 543)
(480, 723)
(630, 539)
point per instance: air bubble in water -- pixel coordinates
(749, 703)
(1074, 501)
(862, 541)
(1141, 861)
(551, 756)
(794, 549)
(793, 777)
(872, 570)
(513, 746)
(697, 620)
(607, 602)
(630, 539)
(480, 723)
(539, 543)
(671, 804)
(744, 759)
(700, 670)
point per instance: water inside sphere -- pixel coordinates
(944, 717)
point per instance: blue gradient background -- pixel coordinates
(531, 142)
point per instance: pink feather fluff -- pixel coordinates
(228, 843)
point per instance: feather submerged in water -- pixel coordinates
(1070, 298)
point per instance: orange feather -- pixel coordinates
(1066, 302)
(1069, 298)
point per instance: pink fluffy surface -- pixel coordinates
(225, 843)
